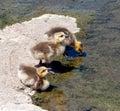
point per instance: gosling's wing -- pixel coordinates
(41, 47)
(28, 70)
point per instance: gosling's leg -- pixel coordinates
(21, 87)
(47, 61)
(40, 64)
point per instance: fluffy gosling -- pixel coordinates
(69, 41)
(33, 77)
(48, 50)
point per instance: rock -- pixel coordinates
(20, 107)
(16, 41)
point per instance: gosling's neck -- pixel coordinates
(60, 44)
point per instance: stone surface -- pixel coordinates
(15, 43)
(20, 107)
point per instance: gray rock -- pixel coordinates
(16, 41)
(20, 107)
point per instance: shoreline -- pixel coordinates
(15, 44)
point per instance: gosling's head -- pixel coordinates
(69, 40)
(42, 71)
(60, 36)
(78, 46)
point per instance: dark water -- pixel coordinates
(95, 84)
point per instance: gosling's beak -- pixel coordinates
(66, 35)
(50, 71)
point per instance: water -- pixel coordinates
(96, 85)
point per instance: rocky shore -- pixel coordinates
(15, 43)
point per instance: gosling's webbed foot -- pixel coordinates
(29, 91)
(20, 88)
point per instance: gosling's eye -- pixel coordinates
(61, 35)
(43, 71)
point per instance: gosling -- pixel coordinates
(33, 77)
(69, 41)
(47, 51)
